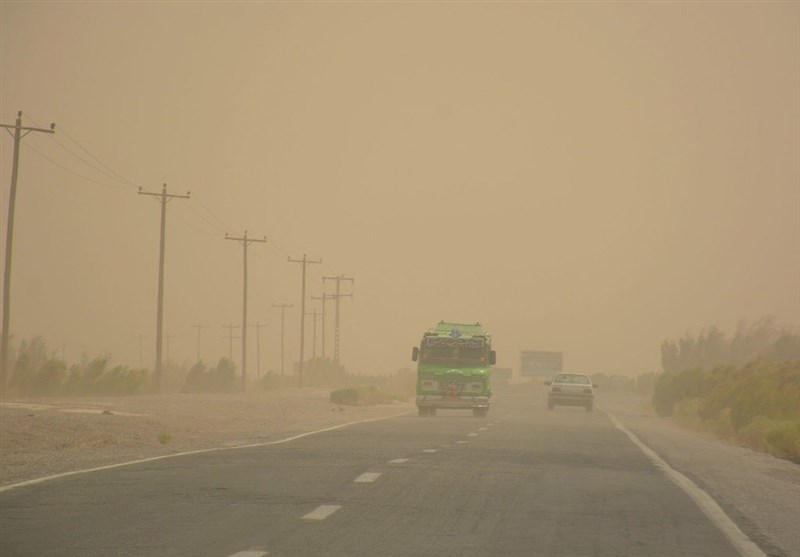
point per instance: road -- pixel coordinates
(523, 481)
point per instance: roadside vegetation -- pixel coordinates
(745, 389)
(39, 372)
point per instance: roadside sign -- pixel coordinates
(536, 363)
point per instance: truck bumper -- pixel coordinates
(437, 401)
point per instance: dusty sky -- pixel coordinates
(584, 177)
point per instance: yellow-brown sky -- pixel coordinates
(585, 177)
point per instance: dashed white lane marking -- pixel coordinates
(481, 429)
(460, 442)
(472, 434)
(367, 477)
(249, 553)
(399, 461)
(703, 500)
(200, 451)
(322, 512)
(430, 450)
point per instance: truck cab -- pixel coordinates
(454, 368)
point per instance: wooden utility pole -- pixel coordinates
(199, 328)
(324, 298)
(305, 262)
(337, 296)
(164, 198)
(314, 314)
(245, 241)
(283, 327)
(12, 197)
(230, 338)
(258, 325)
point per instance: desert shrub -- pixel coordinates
(272, 381)
(362, 396)
(757, 405)
(345, 396)
(220, 379)
(122, 380)
(784, 440)
(42, 381)
(671, 388)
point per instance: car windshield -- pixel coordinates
(572, 378)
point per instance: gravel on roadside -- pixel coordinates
(46, 436)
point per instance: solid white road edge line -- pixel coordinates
(703, 500)
(200, 451)
(367, 477)
(322, 512)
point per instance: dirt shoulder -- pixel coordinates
(759, 492)
(46, 436)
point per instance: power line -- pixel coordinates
(79, 175)
(113, 174)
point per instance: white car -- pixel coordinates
(570, 389)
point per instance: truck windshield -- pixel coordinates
(454, 356)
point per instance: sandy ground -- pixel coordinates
(46, 436)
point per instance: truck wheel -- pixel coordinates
(422, 412)
(431, 411)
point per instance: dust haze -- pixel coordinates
(585, 178)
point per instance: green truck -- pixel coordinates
(454, 368)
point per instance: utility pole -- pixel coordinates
(305, 262)
(199, 328)
(230, 338)
(283, 328)
(12, 197)
(315, 314)
(337, 296)
(164, 199)
(258, 326)
(324, 298)
(245, 242)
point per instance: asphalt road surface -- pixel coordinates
(521, 482)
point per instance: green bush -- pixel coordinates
(757, 405)
(784, 440)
